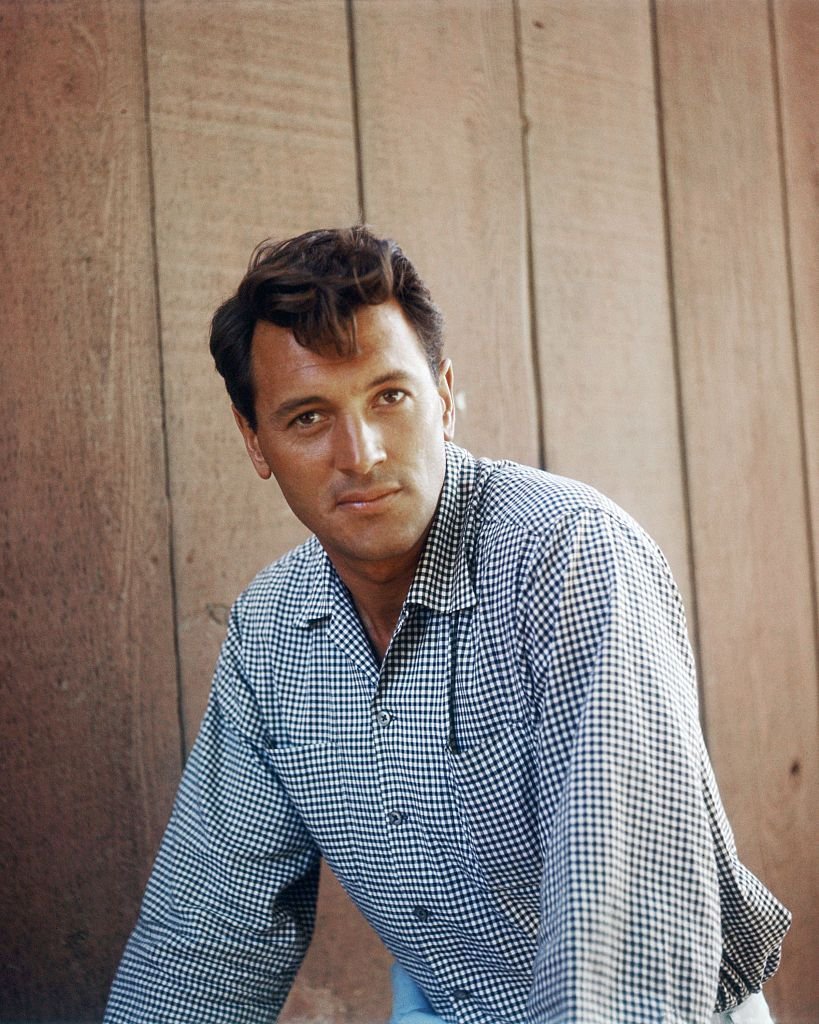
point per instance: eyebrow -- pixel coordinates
(295, 403)
(292, 404)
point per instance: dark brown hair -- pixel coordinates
(313, 284)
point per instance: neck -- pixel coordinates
(378, 596)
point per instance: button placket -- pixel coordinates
(391, 721)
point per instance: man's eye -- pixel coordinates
(392, 396)
(307, 419)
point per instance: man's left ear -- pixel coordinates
(447, 396)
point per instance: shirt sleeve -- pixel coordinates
(229, 909)
(630, 907)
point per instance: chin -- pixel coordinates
(370, 549)
(378, 553)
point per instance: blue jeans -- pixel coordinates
(410, 1005)
(754, 1010)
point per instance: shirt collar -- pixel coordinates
(321, 596)
(442, 582)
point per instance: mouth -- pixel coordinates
(365, 500)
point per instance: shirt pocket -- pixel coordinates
(493, 788)
(313, 776)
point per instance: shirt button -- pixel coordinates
(384, 718)
(460, 995)
(396, 817)
(421, 913)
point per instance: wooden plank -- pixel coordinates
(739, 389)
(442, 172)
(89, 737)
(797, 33)
(251, 122)
(604, 331)
(252, 131)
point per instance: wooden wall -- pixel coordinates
(614, 202)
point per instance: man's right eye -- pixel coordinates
(307, 419)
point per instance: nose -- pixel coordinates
(358, 446)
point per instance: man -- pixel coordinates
(470, 691)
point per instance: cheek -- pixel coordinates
(297, 476)
(290, 457)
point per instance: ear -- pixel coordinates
(252, 445)
(447, 395)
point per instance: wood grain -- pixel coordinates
(797, 35)
(252, 132)
(251, 121)
(739, 386)
(442, 172)
(604, 330)
(89, 737)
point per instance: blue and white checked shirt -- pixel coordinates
(518, 798)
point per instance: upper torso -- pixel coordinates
(434, 783)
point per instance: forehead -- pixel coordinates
(384, 338)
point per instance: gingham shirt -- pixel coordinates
(517, 798)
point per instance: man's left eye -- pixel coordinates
(392, 396)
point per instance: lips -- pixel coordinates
(365, 499)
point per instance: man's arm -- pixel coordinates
(630, 906)
(229, 910)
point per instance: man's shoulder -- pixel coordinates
(282, 586)
(531, 518)
(535, 501)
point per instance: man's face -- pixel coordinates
(356, 443)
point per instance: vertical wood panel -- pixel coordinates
(89, 735)
(797, 24)
(252, 131)
(742, 437)
(251, 119)
(442, 173)
(604, 329)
